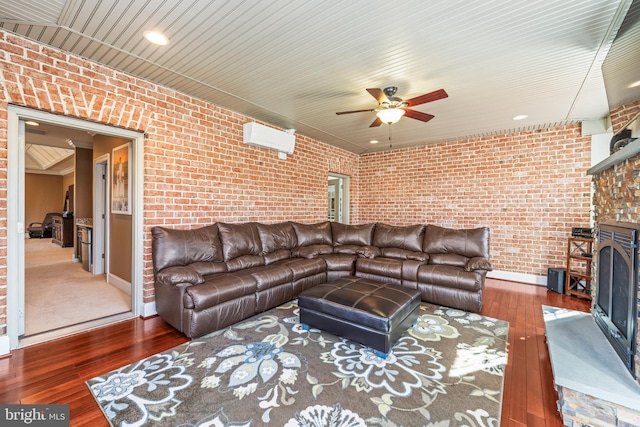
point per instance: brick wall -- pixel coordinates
(197, 169)
(530, 188)
(622, 115)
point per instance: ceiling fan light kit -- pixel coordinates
(391, 108)
(390, 115)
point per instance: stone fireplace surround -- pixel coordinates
(591, 390)
(616, 199)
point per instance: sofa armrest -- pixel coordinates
(478, 263)
(179, 274)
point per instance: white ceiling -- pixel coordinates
(295, 63)
(49, 149)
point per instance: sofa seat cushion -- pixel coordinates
(311, 251)
(473, 242)
(346, 249)
(387, 267)
(271, 275)
(450, 277)
(399, 253)
(302, 267)
(219, 288)
(340, 262)
(448, 259)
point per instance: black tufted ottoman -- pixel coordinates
(372, 313)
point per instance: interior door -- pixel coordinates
(334, 200)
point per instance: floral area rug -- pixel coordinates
(447, 370)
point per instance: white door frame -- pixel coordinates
(15, 208)
(342, 197)
(100, 244)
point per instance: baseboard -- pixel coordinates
(148, 309)
(5, 345)
(518, 277)
(119, 283)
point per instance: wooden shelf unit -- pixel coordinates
(578, 278)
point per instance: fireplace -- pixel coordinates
(615, 308)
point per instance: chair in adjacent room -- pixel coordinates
(39, 230)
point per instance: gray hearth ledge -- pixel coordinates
(583, 360)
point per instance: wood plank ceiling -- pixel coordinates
(294, 64)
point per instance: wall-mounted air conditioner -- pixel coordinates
(266, 137)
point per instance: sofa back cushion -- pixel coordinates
(174, 247)
(313, 234)
(239, 240)
(406, 237)
(466, 242)
(348, 234)
(275, 237)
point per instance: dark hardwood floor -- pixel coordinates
(55, 372)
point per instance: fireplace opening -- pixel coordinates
(615, 308)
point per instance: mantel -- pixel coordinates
(619, 156)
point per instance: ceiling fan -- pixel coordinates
(391, 108)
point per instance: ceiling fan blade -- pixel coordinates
(354, 111)
(427, 97)
(377, 122)
(378, 94)
(423, 117)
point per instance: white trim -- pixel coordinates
(518, 277)
(15, 214)
(15, 227)
(72, 122)
(5, 345)
(149, 309)
(137, 222)
(100, 244)
(75, 329)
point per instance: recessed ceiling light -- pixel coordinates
(374, 141)
(156, 38)
(32, 123)
(520, 117)
(634, 84)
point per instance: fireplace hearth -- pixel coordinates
(615, 305)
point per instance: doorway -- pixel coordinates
(338, 198)
(16, 237)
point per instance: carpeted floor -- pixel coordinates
(59, 293)
(447, 370)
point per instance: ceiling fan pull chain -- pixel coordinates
(390, 135)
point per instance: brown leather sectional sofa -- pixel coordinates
(214, 276)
